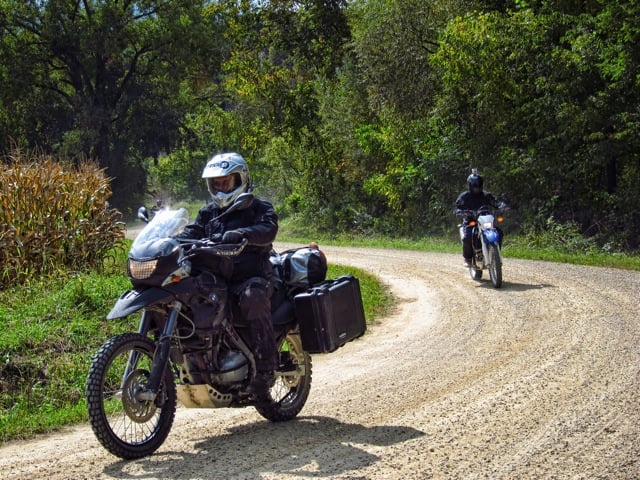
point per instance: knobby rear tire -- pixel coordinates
(290, 392)
(127, 427)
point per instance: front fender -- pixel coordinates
(491, 235)
(133, 300)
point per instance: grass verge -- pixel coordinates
(514, 247)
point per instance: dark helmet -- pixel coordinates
(475, 182)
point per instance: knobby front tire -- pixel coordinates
(126, 426)
(495, 268)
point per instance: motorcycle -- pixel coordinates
(190, 344)
(487, 243)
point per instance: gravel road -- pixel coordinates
(540, 379)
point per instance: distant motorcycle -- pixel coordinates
(487, 244)
(146, 215)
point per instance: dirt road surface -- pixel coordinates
(537, 380)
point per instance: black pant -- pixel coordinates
(466, 235)
(254, 299)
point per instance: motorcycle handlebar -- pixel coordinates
(478, 212)
(213, 247)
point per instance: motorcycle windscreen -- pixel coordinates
(154, 239)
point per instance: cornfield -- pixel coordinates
(54, 216)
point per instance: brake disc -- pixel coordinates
(140, 411)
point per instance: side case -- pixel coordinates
(330, 314)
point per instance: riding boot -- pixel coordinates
(255, 306)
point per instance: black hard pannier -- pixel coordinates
(330, 314)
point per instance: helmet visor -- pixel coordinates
(475, 185)
(224, 184)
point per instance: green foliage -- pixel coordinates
(51, 329)
(393, 42)
(96, 79)
(54, 217)
(361, 116)
(535, 109)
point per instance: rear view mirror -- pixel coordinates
(244, 200)
(143, 214)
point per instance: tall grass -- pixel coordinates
(50, 330)
(57, 232)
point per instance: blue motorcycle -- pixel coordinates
(487, 245)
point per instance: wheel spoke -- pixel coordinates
(125, 425)
(291, 389)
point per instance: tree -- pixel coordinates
(102, 76)
(548, 102)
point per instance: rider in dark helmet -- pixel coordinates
(473, 198)
(227, 176)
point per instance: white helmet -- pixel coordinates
(227, 176)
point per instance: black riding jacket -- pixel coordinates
(474, 201)
(258, 223)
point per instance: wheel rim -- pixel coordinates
(286, 386)
(139, 411)
(131, 420)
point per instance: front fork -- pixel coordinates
(160, 357)
(485, 250)
(487, 253)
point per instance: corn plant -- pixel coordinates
(54, 216)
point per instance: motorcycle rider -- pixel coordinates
(474, 198)
(227, 176)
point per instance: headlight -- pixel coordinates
(141, 270)
(487, 225)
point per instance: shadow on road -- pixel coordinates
(514, 286)
(307, 447)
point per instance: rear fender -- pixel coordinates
(133, 300)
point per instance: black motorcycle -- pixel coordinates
(190, 345)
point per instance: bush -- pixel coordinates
(54, 216)
(563, 237)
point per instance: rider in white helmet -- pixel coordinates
(227, 177)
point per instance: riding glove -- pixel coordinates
(233, 236)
